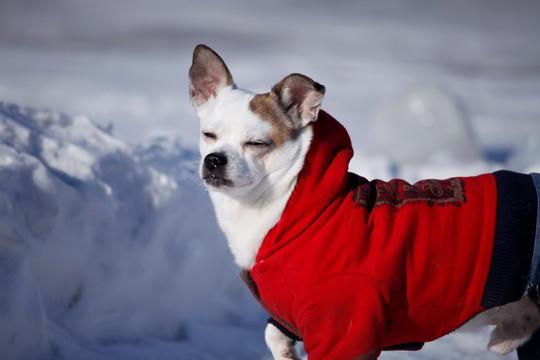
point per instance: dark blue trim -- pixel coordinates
(517, 206)
(534, 275)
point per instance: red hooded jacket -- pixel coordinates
(353, 266)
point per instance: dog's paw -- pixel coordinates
(281, 346)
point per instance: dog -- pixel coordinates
(349, 266)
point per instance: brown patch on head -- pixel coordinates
(268, 108)
(290, 106)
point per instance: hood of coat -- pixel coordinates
(322, 180)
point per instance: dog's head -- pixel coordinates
(248, 140)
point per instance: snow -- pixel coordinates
(109, 248)
(101, 246)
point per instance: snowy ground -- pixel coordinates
(108, 244)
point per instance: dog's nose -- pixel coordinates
(214, 160)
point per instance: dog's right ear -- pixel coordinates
(300, 98)
(207, 76)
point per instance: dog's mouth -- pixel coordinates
(217, 181)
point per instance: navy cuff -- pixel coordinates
(515, 228)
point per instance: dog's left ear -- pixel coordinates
(300, 97)
(207, 76)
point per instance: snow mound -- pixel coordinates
(419, 124)
(103, 243)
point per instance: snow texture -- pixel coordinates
(109, 248)
(99, 244)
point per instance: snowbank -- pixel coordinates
(103, 243)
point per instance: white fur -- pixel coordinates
(249, 209)
(514, 324)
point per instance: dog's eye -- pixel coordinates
(256, 143)
(209, 135)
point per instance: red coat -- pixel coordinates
(354, 266)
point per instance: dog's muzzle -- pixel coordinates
(213, 172)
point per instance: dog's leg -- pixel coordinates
(281, 346)
(515, 323)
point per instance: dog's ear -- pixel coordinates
(207, 76)
(300, 97)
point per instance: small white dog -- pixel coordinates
(349, 266)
